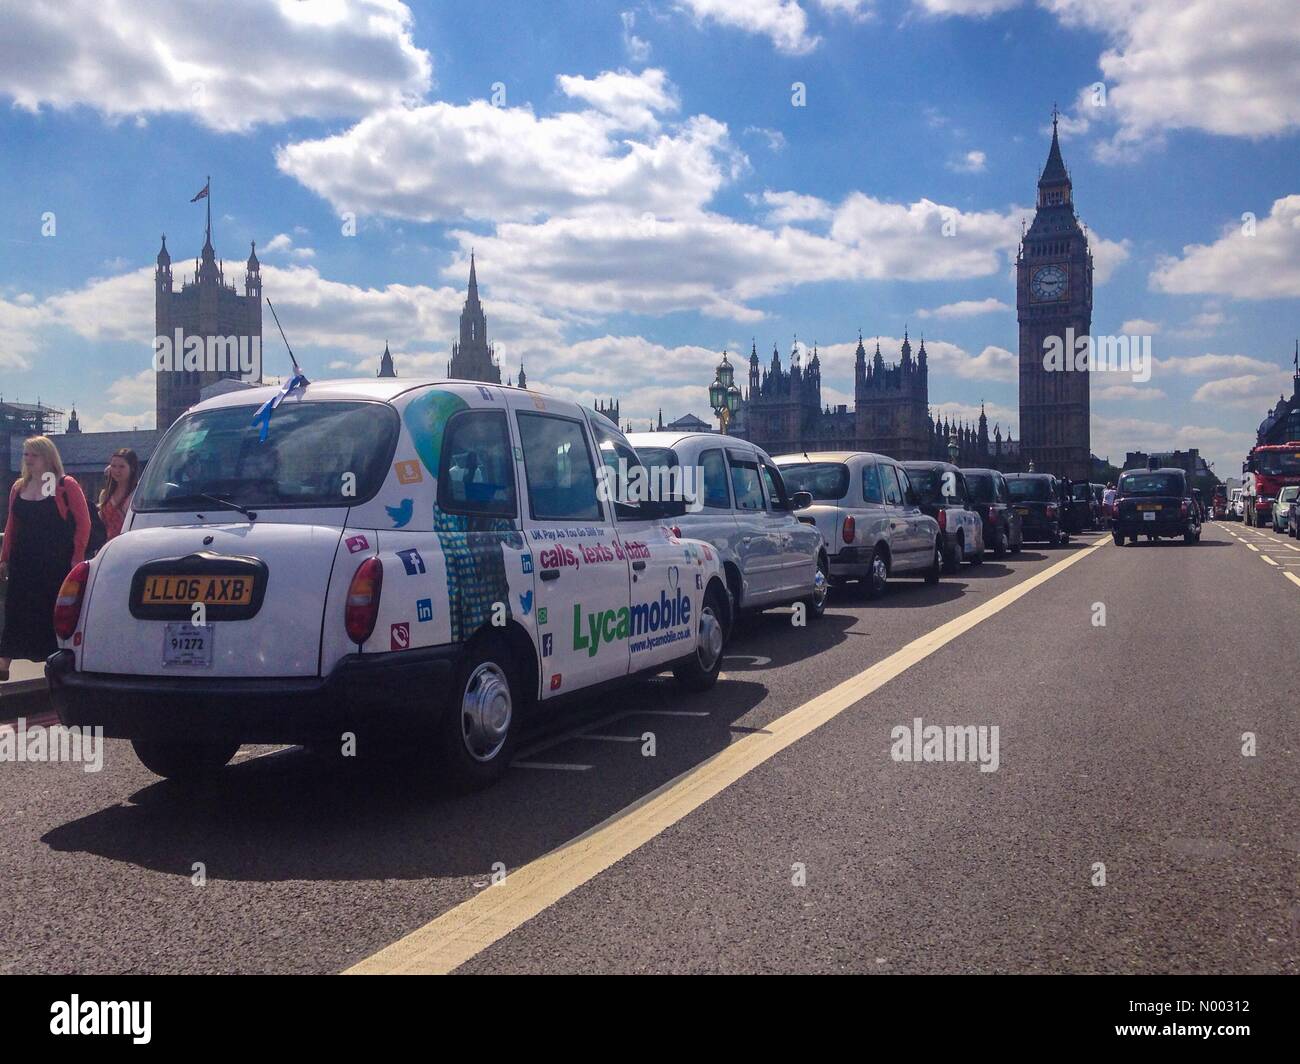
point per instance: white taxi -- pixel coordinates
(430, 562)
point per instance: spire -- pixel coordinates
(1054, 172)
(523, 380)
(164, 259)
(473, 278)
(386, 368)
(253, 264)
(907, 348)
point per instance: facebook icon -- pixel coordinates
(412, 561)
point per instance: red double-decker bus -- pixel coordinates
(1268, 469)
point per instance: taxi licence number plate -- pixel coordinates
(166, 589)
(188, 644)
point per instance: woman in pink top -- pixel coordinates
(120, 479)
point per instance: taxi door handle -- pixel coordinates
(550, 574)
(638, 565)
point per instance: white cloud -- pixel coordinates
(230, 68)
(1263, 266)
(448, 162)
(637, 48)
(1250, 390)
(633, 100)
(1140, 327)
(966, 308)
(792, 207)
(973, 162)
(1127, 391)
(282, 244)
(774, 137)
(1204, 365)
(783, 21)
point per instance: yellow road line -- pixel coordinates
(1253, 547)
(447, 942)
(1270, 561)
(1293, 578)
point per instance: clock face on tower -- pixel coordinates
(1047, 283)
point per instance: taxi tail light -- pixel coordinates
(943, 519)
(849, 532)
(67, 607)
(1182, 510)
(1051, 510)
(676, 531)
(362, 608)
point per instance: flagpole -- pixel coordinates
(208, 197)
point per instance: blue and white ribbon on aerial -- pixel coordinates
(263, 415)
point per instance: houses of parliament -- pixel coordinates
(782, 410)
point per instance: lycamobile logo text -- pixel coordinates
(610, 625)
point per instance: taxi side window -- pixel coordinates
(557, 465)
(777, 501)
(745, 481)
(871, 491)
(893, 493)
(476, 474)
(620, 463)
(715, 479)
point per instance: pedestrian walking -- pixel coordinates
(120, 479)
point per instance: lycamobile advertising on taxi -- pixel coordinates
(607, 626)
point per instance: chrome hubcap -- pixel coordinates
(709, 641)
(485, 712)
(879, 574)
(819, 586)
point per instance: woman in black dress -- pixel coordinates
(45, 536)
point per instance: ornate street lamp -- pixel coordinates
(724, 396)
(953, 449)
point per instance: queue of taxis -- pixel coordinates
(431, 562)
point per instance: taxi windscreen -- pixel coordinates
(827, 481)
(1030, 489)
(315, 454)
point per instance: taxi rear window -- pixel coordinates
(333, 453)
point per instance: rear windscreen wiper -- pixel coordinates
(218, 499)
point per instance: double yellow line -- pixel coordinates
(463, 932)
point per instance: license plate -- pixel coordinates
(1149, 506)
(166, 589)
(188, 644)
(1022, 510)
(1148, 516)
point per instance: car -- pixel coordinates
(1281, 509)
(742, 508)
(943, 495)
(869, 515)
(430, 562)
(1237, 507)
(1037, 498)
(1293, 519)
(1219, 507)
(1200, 504)
(991, 498)
(1156, 503)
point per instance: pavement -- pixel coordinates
(1143, 815)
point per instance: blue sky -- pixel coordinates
(642, 192)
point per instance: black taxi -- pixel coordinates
(1156, 503)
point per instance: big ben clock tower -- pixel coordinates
(1054, 299)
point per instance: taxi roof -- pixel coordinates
(384, 389)
(831, 456)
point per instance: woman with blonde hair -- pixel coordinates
(120, 479)
(45, 536)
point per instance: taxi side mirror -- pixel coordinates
(801, 500)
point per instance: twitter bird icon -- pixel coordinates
(401, 515)
(526, 602)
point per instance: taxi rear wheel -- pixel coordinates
(933, 573)
(816, 602)
(476, 735)
(700, 671)
(181, 761)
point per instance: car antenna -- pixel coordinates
(298, 380)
